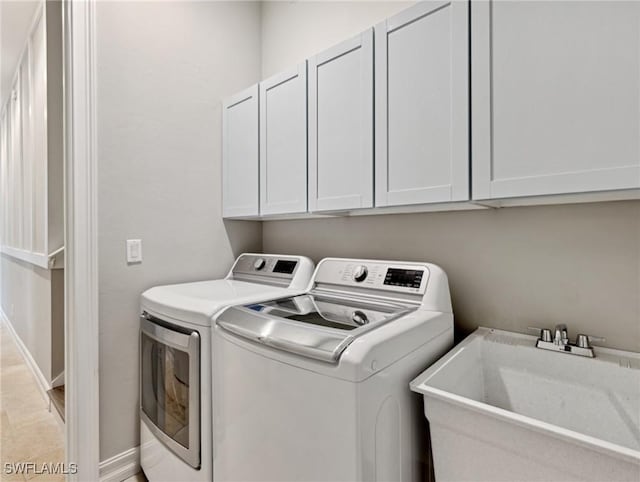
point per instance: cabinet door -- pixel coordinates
(555, 96)
(240, 163)
(283, 142)
(422, 105)
(341, 126)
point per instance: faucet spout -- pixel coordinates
(561, 337)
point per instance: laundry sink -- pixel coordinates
(501, 409)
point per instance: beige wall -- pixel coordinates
(162, 70)
(508, 268)
(55, 134)
(57, 322)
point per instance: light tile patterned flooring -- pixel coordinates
(28, 432)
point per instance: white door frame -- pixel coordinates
(81, 241)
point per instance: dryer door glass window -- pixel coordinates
(165, 394)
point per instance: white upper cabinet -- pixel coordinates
(422, 105)
(341, 126)
(240, 162)
(283, 143)
(555, 97)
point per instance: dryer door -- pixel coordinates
(170, 386)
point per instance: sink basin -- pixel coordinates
(501, 409)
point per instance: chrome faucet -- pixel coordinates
(561, 337)
(560, 341)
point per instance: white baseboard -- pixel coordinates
(41, 381)
(121, 466)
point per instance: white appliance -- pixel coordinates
(316, 386)
(175, 359)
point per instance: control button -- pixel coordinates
(259, 263)
(360, 274)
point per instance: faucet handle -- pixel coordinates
(543, 333)
(583, 340)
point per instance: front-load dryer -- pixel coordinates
(175, 359)
(315, 387)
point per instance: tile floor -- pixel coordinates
(28, 432)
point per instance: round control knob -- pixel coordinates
(360, 274)
(259, 263)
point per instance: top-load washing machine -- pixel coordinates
(316, 386)
(175, 359)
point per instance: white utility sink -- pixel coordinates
(500, 409)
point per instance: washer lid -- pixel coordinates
(312, 325)
(197, 302)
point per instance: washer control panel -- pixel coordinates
(409, 278)
(396, 277)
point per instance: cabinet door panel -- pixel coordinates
(556, 96)
(341, 126)
(283, 143)
(240, 162)
(422, 148)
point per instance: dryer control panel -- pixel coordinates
(395, 277)
(265, 264)
(292, 271)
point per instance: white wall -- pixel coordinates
(162, 69)
(31, 298)
(15, 21)
(26, 301)
(508, 268)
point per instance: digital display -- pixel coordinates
(408, 278)
(285, 267)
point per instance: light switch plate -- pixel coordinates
(134, 251)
